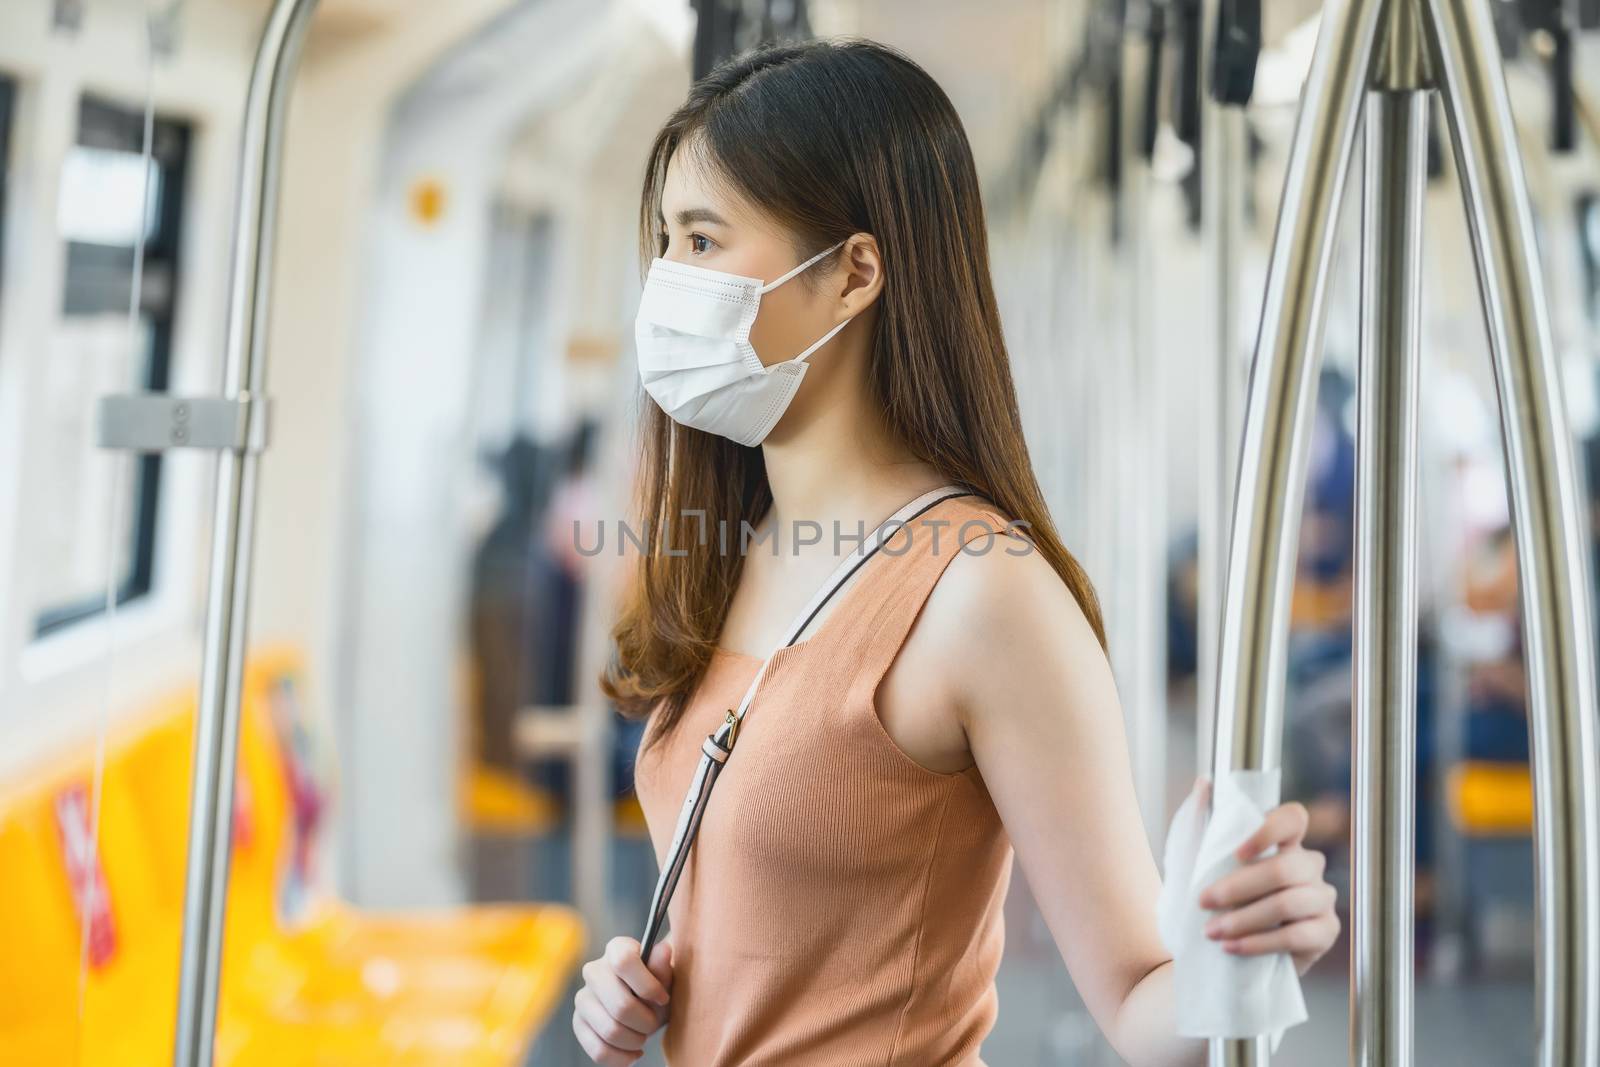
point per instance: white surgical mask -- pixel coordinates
(693, 339)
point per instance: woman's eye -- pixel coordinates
(699, 243)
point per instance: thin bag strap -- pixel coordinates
(716, 749)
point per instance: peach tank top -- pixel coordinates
(842, 904)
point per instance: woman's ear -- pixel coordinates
(862, 270)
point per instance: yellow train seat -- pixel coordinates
(1489, 799)
(493, 802)
(307, 980)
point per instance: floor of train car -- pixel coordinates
(1042, 1022)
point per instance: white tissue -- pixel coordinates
(1219, 994)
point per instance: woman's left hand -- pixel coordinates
(1279, 903)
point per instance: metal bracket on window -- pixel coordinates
(157, 422)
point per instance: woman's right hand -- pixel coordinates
(622, 1001)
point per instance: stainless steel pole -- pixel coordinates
(244, 376)
(1220, 388)
(1385, 700)
(1250, 676)
(1550, 531)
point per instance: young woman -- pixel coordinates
(842, 902)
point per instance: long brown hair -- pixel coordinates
(831, 139)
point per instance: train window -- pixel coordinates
(99, 215)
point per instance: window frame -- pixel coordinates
(172, 144)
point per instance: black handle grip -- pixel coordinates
(1238, 48)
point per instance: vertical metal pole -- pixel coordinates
(244, 376)
(1550, 530)
(1250, 675)
(1383, 789)
(1220, 389)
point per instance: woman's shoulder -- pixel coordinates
(1001, 574)
(999, 600)
(1000, 633)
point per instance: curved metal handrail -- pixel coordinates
(233, 526)
(1545, 495)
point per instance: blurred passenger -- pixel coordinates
(841, 902)
(509, 619)
(570, 515)
(1497, 710)
(1320, 647)
(573, 530)
(1183, 609)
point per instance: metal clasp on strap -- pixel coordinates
(719, 746)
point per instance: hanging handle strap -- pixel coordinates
(716, 749)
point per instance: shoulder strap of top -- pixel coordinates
(900, 591)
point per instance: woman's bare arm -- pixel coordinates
(1035, 696)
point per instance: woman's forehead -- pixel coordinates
(694, 185)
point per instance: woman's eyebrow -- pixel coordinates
(689, 216)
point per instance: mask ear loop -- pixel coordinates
(800, 269)
(824, 339)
